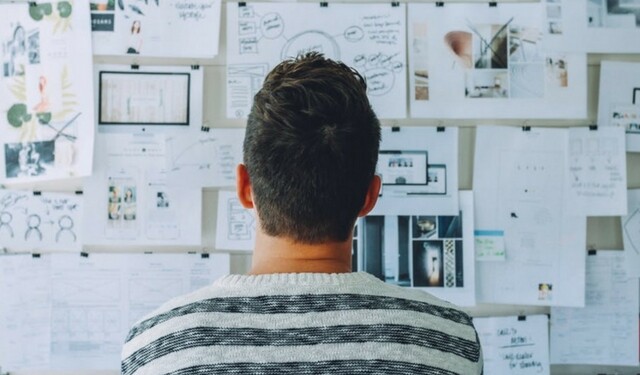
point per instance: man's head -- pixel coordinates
(310, 150)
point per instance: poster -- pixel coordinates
(177, 28)
(478, 61)
(431, 252)
(46, 107)
(368, 37)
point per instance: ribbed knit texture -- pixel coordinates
(303, 324)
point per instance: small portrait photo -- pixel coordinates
(424, 226)
(102, 5)
(557, 72)
(129, 203)
(114, 194)
(161, 200)
(28, 158)
(544, 292)
(428, 270)
(135, 38)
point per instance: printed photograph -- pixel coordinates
(29, 158)
(428, 270)
(614, 13)
(115, 200)
(15, 52)
(545, 292)
(129, 206)
(490, 46)
(450, 226)
(424, 226)
(420, 61)
(487, 84)
(162, 201)
(527, 80)
(557, 72)
(387, 260)
(524, 44)
(102, 5)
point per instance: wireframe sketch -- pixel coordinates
(144, 98)
(44, 131)
(156, 28)
(39, 222)
(369, 39)
(236, 226)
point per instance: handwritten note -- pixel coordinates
(605, 331)
(597, 171)
(514, 345)
(489, 245)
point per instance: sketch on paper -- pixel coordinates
(45, 130)
(236, 226)
(156, 28)
(481, 60)
(434, 252)
(204, 158)
(369, 39)
(418, 171)
(48, 221)
(149, 97)
(133, 203)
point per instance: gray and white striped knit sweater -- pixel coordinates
(303, 324)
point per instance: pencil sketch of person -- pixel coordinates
(135, 39)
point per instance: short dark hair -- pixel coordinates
(311, 149)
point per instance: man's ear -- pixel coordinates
(372, 196)
(243, 187)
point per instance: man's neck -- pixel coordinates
(281, 255)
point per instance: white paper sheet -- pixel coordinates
(419, 171)
(204, 158)
(236, 226)
(46, 127)
(520, 187)
(73, 312)
(476, 61)
(25, 312)
(597, 172)
(178, 28)
(40, 221)
(631, 233)
(148, 98)
(429, 251)
(369, 37)
(594, 26)
(605, 331)
(514, 345)
(619, 99)
(131, 202)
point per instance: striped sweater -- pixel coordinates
(303, 324)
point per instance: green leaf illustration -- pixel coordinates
(64, 8)
(18, 115)
(44, 117)
(38, 11)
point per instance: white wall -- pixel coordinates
(602, 233)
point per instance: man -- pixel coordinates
(310, 154)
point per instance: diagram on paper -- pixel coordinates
(204, 158)
(49, 221)
(369, 39)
